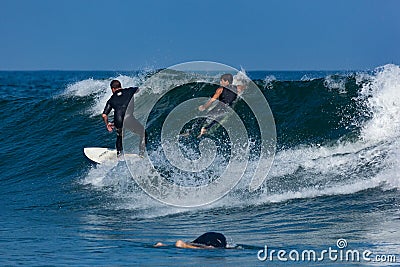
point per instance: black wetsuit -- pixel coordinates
(226, 98)
(214, 239)
(120, 101)
(228, 95)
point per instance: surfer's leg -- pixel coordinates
(206, 127)
(213, 116)
(195, 125)
(136, 127)
(118, 143)
(209, 124)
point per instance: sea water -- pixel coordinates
(333, 187)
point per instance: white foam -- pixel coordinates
(85, 88)
(337, 83)
(382, 99)
(372, 161)
(337, 189)
(390, 176)
(268, 81)
(241, 78)
(116, 182)
(378, 145)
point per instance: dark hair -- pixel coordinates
(115, 84)
(227, 77)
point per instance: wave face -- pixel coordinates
(337, 134)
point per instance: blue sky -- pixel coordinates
(255, 35)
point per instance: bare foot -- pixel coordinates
(202, 131)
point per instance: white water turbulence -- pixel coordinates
(347, 167)
(382, 99)
(382, 96)
(174, 179)
(336, 83)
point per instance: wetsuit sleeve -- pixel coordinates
(107, 108)
(134, 89)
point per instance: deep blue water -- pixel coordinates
(335, 175)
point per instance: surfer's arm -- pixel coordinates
(212, 99)
(105, 118)
(183, 244)
(109, 125)
(106, 111)
(135, 89)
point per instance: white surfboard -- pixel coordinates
(102, 154)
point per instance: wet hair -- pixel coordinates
(214, 239)
(115, 84)
(227, 77)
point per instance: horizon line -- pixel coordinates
(157, 69)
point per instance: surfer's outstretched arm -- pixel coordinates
(212, 99)
(183, 244)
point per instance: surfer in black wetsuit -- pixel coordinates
(123, 107)
(207, 240)
(226, 94)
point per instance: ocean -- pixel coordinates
(331, 196)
